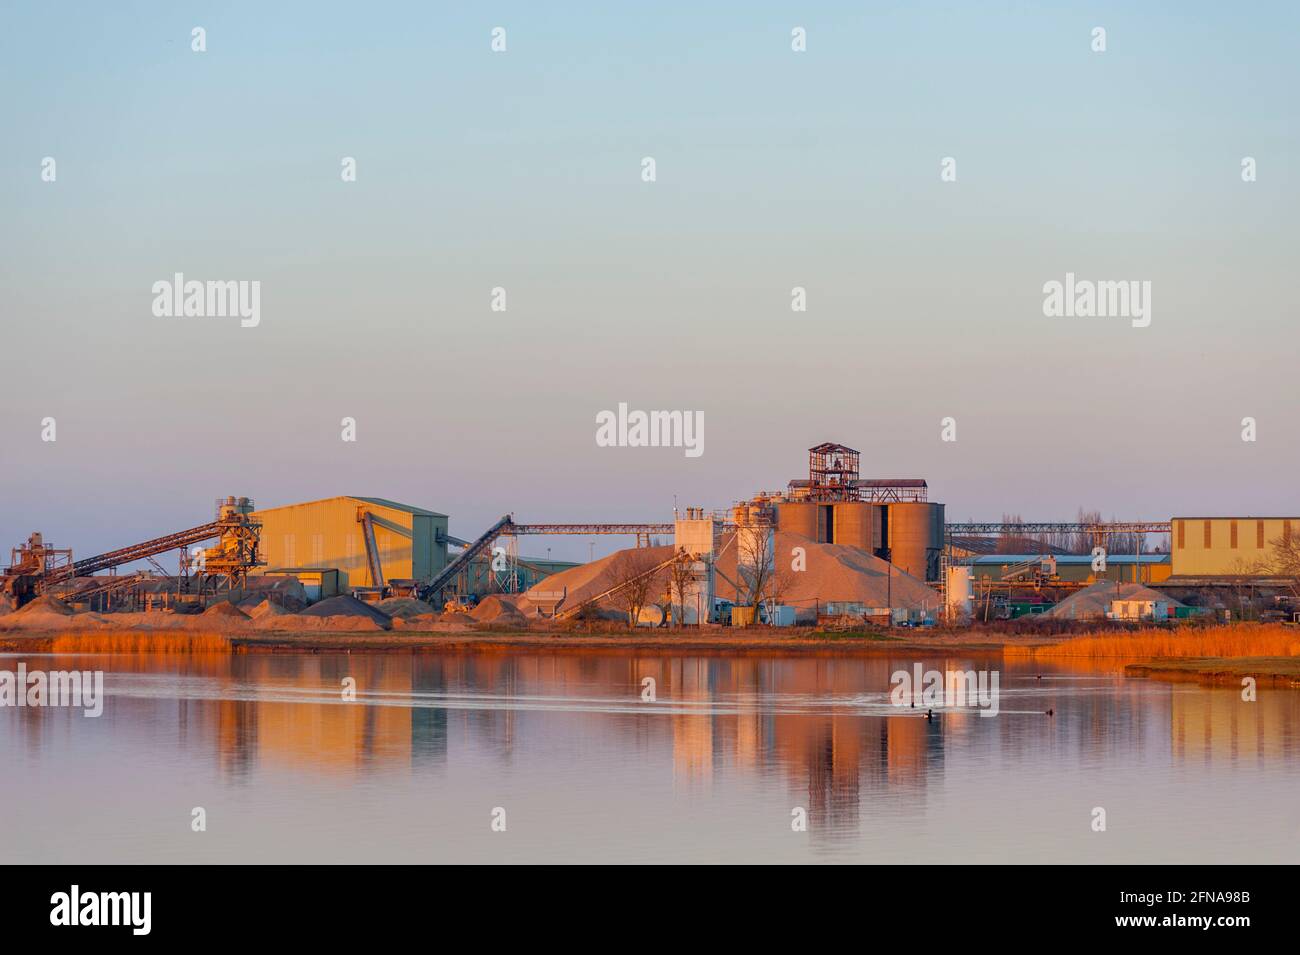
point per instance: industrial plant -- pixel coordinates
(832, 548)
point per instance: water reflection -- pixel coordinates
(731, 742)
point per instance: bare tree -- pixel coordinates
(778, 585)
(631, 574)
(1082, 543)
(762, 581)
(754, 546)
(1125, 543)
(681, 580)
(586, 612)
(1284, 556)
(1011, 541)
(1243, 574)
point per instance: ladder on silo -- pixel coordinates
(944, 564)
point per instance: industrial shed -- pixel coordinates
(409, 542)
(1077, 568)
(1228, 546)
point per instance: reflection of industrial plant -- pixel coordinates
(795, 721)
(828, 758)
(1220, 728)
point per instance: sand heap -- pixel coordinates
(500, 611)
(341, 613)
(834, 573)
(44, 605)
(222, 617)
(405, 607)
(588, 580)
(288, 592)
(407, 613)
(266, 608)
(1094, 601)
(225, 609)
(423, 622)
(50, 613)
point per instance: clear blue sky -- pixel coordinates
(522, 170)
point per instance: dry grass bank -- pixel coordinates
(133, 642)
(1226, 641)
(1269, 671)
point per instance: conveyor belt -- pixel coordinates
(125, 555)
(463, 559)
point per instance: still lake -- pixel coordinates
(715, 769)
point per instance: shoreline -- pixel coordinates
(1207, 670)
(1219, 671)
(864, 643)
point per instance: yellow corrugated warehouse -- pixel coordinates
(1217, 546)
(411, 542)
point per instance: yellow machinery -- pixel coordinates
(36, 567)
(458, 604)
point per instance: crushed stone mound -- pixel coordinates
(45, 604)
(341, 613)
(586, 581)
(266, 608)
(834, 573)
(337, 623)
(419, 621)
(1094, 601)
(345, 605)
(405, 607)
(225, 609)
(498, 609)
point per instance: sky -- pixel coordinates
(522, 170)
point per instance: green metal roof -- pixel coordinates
(409, 508)
(377, 501)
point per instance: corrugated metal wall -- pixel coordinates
(326, 534)
(1209, 546)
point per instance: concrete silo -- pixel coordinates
(855, 525)
(798, 517)
(915, 538)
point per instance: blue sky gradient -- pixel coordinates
(522, 170)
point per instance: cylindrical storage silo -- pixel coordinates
(798, 518)
(916, 538)
(854, 522)
(960, 593)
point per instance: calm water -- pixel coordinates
(412, 771)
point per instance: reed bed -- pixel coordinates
(1228, 640)
(140, 642)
